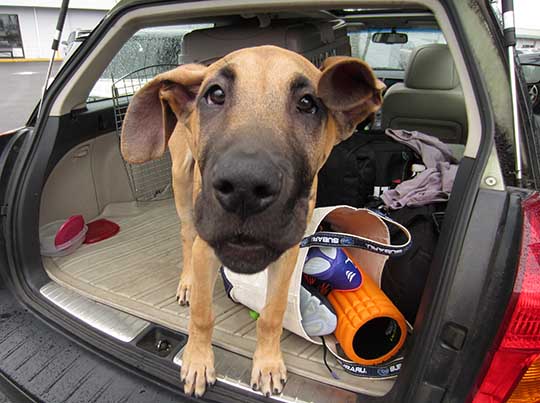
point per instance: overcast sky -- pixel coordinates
(527, 14)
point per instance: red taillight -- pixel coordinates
(520, 344)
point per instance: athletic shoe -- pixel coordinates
(333, 266)
(318, 316)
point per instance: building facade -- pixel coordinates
(528, 39)
(27, 27)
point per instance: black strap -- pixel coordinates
(385, 370)
(338, 239)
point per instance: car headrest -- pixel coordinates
(315, 41)
(431, 67)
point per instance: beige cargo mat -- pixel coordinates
(137, 271)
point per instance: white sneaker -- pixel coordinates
(318, 316)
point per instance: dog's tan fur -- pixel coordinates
(262, 72)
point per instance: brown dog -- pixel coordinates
(247, 135)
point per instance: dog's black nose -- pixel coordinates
(246, 184)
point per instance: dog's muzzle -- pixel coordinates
(249, 210)
(246, 183)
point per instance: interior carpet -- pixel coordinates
(137, 271)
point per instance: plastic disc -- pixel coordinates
(101, 229)
(69, 230)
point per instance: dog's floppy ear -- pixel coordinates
(349, 88)
(153, 112)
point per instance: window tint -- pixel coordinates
(147, 47)
(382, 56)
(10, 37)
(531, 73)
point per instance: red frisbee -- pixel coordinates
(101, 229)
(69, 230)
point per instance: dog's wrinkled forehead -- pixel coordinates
(266, 66)
(262, 77)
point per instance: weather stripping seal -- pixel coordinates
(113, 322)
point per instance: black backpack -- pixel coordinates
(404, 277)
(361, 166)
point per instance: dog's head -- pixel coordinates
(260, 123)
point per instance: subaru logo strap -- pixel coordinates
(346, 241)
(336, 239)
(386, 370)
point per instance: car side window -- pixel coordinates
(147, 47)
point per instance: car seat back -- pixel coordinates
(431, 99)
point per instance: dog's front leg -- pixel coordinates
(182, 181)
(269, 373)
(198, 358)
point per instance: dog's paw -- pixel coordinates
(269, 374)
(197, 369)
(183, 290)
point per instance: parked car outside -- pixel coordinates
(530, 63)
(73, 41)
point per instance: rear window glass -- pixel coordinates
(147, 47)
(383, 56)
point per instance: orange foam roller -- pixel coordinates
(370, 329)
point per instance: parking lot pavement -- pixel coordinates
(20, 89)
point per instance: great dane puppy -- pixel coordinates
(247, 136)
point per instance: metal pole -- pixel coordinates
(510, 41)
(515, 112)
(54, 47)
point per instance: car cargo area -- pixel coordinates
(137, 270)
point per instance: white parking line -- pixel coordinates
(25, 73)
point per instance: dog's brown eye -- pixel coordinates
(215, 95)
(307, 104)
